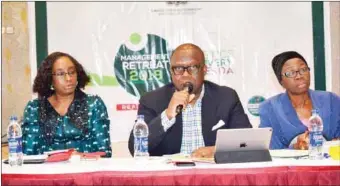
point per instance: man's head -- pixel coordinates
(187, 65)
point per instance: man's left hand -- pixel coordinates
(204, 152)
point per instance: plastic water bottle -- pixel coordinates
(315, 149)
(141, 134)
(14, 134)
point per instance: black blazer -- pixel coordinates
(218, 103)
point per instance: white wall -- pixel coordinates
(332, 48)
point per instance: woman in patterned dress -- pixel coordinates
(63, 116)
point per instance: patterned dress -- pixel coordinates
(85, 126)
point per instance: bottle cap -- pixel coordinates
(315, 111)
(140, 117)
(13, 118)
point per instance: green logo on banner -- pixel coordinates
(135, 38)
(142, 67)
(254, 104)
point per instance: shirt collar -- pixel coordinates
(202, 92)
(201, 95)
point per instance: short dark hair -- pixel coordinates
(43, 80)
(280, 59)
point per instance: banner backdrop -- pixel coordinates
(125, 46)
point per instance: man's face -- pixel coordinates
(187, 65)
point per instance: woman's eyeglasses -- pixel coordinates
(62, 75)
(293, 73)
(179, 70)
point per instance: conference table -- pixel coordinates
(160, 171)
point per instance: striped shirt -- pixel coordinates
(192, 137)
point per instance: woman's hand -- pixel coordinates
(204, 152)
(302, 141)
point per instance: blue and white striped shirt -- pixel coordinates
(192, 137)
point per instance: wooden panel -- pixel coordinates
(4, 152)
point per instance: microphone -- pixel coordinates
(187, 87)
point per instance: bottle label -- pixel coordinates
(141, 144)
(316, 138)
(15, 145)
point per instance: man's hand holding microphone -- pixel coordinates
(179, 100)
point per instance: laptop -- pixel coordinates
(245, 139)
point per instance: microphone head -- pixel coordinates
(189, 86)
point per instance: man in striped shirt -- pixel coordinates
(206, 108)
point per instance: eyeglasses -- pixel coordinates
(293, 73)
(179, 70)
(63, 74)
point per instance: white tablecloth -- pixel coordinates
(75, 165)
